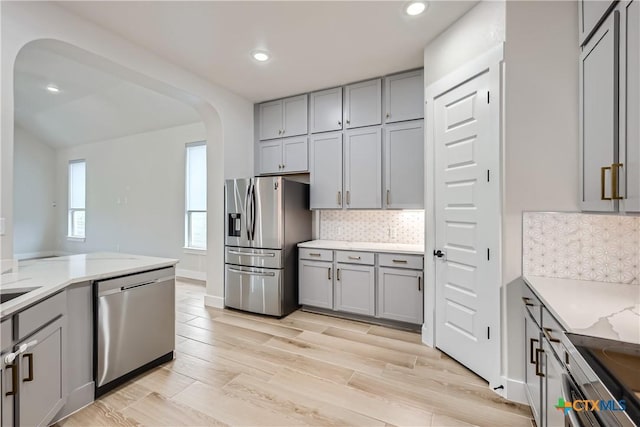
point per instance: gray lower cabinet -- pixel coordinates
(400, 295)
(326, 171)
(553, 371)
(42, 388)
(403, 165)
(355, 289)
(363, 168)
(315, 283)
(532, 379)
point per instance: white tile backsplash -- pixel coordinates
(373, 226)
(602, 248)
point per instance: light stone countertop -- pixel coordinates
(47, 276)
(398, 248)
(605, 310)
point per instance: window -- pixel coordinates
(77, 191)
(196, 203)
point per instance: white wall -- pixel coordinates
(227, 117)
(34, 179)
(135, 194)
(541, 136)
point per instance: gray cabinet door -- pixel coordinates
(552, 381)
(294, 116)
(363, 104)
(404, 96)
(42, 388)
(295, 154)
(404, 165)
(270, 156)
(590, 12)
(630, 107)
(326, 110)
(599, 116)
(533, 384)
(355, 289)
(363, 168)
(326, 171)
(400, 295)
(315, 284)
(270, 116)
(6, 386)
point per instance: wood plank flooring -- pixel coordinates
(239, 369)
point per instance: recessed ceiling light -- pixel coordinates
(53, 88)
(415, 8)
(260, 55)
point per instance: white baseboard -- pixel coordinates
(515, 391)
(191, 274)
(213, 301)
(31, 255)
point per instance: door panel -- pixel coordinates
(355, 289)
(326, 171)
(326, 110)
(236, 191)
(295, 116)
(316, 284)
(295, 154)
(404, 165)
(363, 168)
(267, 203)
(270, 153)
(271, 120)
(363, 103)
(467, 218)
(257, 290)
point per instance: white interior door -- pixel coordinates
(467, 224)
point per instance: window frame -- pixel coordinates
(189, 246)
(72, 210)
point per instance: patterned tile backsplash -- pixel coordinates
(602, 248)
(373, 226)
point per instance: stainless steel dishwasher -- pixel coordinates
(134, 326)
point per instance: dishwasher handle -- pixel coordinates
(133, 286)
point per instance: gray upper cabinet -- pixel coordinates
(283, 155)
(630, 106)
(400, 295)
(590, 13)
(404, 165)
(363, 168)
(284, 117)
(363, 104)
(355, 289)
(599, 117)
(326, 110)
(326, 171)
(404, 96)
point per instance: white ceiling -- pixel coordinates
(92, 105)
(314, 44)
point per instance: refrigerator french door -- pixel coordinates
(265, 219)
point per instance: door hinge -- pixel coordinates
(488, 332)
(488, 97)
(488, 254)
(488, 175)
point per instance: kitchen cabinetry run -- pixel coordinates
(326, 110)
(283, 155)
(382, 286)
(404, 96)
(326, 171)
(283, 117)
(403, 160)
(363, 168)
(609, 110)
(363, 104)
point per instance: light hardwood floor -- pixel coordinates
(234, 368)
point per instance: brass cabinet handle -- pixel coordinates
(30, 357)
(400, 261)
(526, 302)
(538, 352)
(603, 171)
(614, 181)
(329, 273)
(348, 197)
(354, 257)
(339, 198)
(338, 275)
(532, 359)
(419, 284)
(314, 254)
(388, 197)
(547, 333)
(14, 380)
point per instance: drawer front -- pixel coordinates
(6, 335)
(552, 330)
(316, 254)
(267, 258)
(350, 257)
(40, 314)
(532, 304)
(414, 262)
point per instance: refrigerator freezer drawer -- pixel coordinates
(257, 290)
(267, 258)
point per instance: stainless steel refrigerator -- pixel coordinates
(265, 218)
